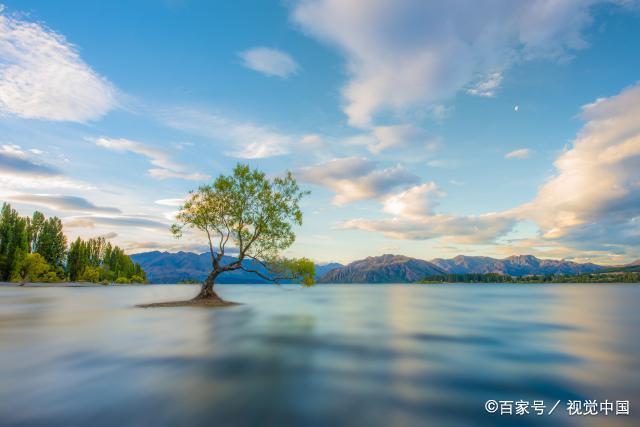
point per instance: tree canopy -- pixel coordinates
(34, 249)
(256, 215)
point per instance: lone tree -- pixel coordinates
(256, 215)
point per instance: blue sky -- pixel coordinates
(423, 128)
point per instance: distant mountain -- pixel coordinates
(631, 267)
(322, 269)
(520, 265)
(168, 267)
(402, 269)
(382, 269)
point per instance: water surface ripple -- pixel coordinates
(332, 355)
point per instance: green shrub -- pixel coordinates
(34, 268)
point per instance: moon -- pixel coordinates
(516, 108)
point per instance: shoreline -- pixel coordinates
(36, 285)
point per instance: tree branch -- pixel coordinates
(271, 279)
(214, 260)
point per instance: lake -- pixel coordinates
(331, 355)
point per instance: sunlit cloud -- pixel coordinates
(354, 178)
(594, 197)
(591, 204)
(170, 202)
(135, 221)
(460, 229)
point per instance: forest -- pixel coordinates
(34, 249)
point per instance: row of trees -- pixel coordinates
(96, 260)
(34, 249)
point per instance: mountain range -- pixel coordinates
(383, 269)
(518, 265)
(166, 267)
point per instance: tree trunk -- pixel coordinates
(206, 291)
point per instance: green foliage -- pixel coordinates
(35, 227)
(34, 268)
(257, 214)
(300, 269)
(90, 274)
(51, 242)
(14, 241)
(137, 279)
(94, 260)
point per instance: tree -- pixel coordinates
(33, 268)
(96, 260)
(14, 240)
(93, 260)
(35, 227)
(255, 214)
(77, 259)
(51, 242)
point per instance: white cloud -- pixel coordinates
(413, 218)
(20, 170)
(488, 86)
(402, 54)
(134, 221)
(592, 203)
(414, 202)
(403, 142)
(62, 203)
(166, 167)
(459, 229)
(14, 160)
(354, 178)
(170, 202)
(43, 77)
(167, 173)
(38, 182)
(521, 153)
(247, 140)
(594, 198)
(272, 62)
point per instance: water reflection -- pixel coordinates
(332, 355)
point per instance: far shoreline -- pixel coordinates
(36, 285)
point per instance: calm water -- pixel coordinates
(397, 355)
